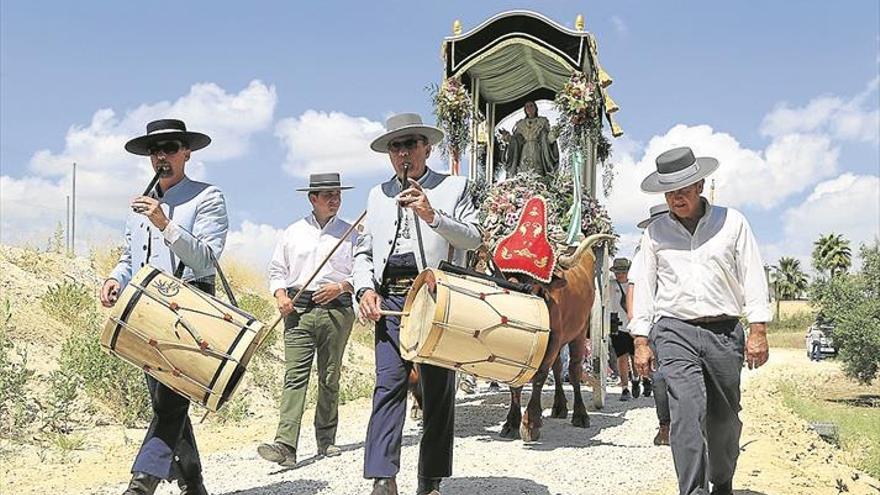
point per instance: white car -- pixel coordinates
(821, 333)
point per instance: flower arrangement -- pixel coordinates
(452, 107)
(579, 104)
(500, 205)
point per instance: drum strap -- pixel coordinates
(178, 272)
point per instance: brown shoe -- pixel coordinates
(278, 452)
(142, 484)
(330, 451)
(662, 437)
(384, 486)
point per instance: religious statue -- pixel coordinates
(532, 146)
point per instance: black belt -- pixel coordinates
(711, 319)
(304, 301)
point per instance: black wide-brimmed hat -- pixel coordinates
(678, 168)
(404, 124)
(654, 213)
(324, 182)
(167, 130)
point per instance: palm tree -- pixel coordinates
(831, 253)
(789, 281)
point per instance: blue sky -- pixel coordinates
(784, 94)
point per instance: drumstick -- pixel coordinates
(388, 312)
(324, 262)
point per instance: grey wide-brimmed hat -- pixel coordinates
(324, 182)
(654, 213)
(167, 130)
(678, 168)
(620, 265)
(404, 124)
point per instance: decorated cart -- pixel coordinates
(493, 71)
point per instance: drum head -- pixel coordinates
(419, 310)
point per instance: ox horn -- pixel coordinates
(584, 247)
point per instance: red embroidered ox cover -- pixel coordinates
(527, 250)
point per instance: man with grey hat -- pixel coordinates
(656, 385)
(179, 226)
(414, 220)
(318, 322)
(701, 272)
(621, 340)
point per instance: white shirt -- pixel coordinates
(615, 303)
(303, 246)
(716, 271)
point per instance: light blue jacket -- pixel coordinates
(455, 225)
(198, 222)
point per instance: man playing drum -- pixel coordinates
(176, 228)
(414, 220)
(701, 270)
(318, 321)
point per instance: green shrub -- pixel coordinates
(17, 408)
(235, 411)
(796, 322)
(58, 409)
(70, 303)
(354, 385)
(116, 384)
(267, 375)
(263, 310)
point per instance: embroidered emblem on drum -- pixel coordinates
(167, 289)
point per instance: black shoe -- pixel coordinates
(637, 390)
(384, 486)
(428, 486)
(722, 488)
(625, 396)
(192, 487)
(142, 484)
(494, 387)
(649, 388)
(278, 452)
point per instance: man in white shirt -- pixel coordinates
(621, 340)
(319, 320)
(701, 270)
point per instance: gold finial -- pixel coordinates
(579, 22)
(604, 79)
(610, 106)
(616, 131)
(456, 27)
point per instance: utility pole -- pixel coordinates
(67, 230)
(73, 213)
(712, 192)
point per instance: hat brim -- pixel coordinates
(644, 223)
(324, 188)
(141, 145)
(705, 166)
(432, 134)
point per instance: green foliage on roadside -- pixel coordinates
(107, 379)
(17, 409)
(71, 303)
(859, 427)
(235, 411)
(852, 302)
(263, 310)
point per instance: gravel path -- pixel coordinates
(614, 455)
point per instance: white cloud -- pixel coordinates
(252, 244)
(856, 119)
(847, 205)
(330, 141)
(108, 176)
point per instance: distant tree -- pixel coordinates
(790, 281)
(831, 254)
(852, 303)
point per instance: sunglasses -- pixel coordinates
(408, 144)
(166, 147)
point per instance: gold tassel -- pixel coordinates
(610, 106)
(616, 131)
(604, 79)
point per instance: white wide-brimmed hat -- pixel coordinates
(654, 214)
(167, 130)
(678, 168)
(324, 182)
(404, 124)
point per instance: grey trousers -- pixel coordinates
(702, 366)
